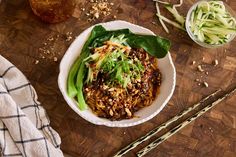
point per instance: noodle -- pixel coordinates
(116, 102)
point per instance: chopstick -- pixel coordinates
(162, 126)
(164, 137)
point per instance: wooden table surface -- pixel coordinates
(22, 38)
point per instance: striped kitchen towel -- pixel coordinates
(24, 125)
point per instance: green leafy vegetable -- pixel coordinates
(154, 45)
(75, 89)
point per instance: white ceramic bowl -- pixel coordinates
(166, 67)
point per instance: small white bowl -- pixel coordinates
(165, 65)
(194, 38)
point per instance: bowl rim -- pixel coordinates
(192, 36)
(110, 124)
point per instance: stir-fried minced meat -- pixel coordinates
(116, 102)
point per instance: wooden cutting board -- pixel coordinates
(24, 40)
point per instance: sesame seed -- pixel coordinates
(199, 67)
(55, 59)
(215, 62)
(96, 15)
(205, 84)
(36, 62)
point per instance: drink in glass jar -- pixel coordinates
(53, 11)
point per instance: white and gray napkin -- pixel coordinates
(24, 126)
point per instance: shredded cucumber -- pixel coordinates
(179, 19)
(210, 22)
(161, 21)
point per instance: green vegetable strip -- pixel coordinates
(180, 19)
(121, 69)
(173, 23)
(161, 21)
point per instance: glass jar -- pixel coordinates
(53, 11)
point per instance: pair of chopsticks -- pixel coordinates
(165, 136)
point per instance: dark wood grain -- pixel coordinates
(212, 135)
